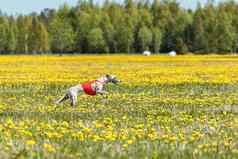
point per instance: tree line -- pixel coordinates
(129, 27)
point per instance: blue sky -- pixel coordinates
(28, 6)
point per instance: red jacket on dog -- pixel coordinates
(88, 89)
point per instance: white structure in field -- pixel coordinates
(172, 53)
(147, 53)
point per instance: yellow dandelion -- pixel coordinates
(30, 142)
(50, 148)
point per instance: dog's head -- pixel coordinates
(111, 78)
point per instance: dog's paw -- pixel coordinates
(57, 103)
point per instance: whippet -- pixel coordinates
(91, 88)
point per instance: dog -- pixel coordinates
(91, 88)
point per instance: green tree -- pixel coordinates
(23, 25)
(62, 35)
(175, 28)
(11, 38)
(86, 21)
(34, 43)
(145, 38)
(38, 39)
(200, 42)
(157, 40)
(96, 41)
(225, 33)
(108, 33)
(3, 33)
(116, 15)
(209, 24)
(44, 39)
(125, 38)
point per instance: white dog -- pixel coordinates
(91, 88)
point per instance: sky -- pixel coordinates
(14, 7)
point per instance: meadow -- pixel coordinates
(165, 107)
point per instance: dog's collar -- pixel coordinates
(100, 82)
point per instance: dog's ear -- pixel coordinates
(108, 76)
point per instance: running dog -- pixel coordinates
(91, 88)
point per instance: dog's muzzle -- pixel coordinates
(115, 81)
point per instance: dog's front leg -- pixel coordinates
(102, 92)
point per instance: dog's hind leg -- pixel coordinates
(73, 99)
(65, 97)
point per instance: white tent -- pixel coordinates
(172, 53)
(147, 53)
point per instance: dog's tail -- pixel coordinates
(65, 97)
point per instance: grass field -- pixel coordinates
(166, 107)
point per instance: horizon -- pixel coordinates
(15, 7)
